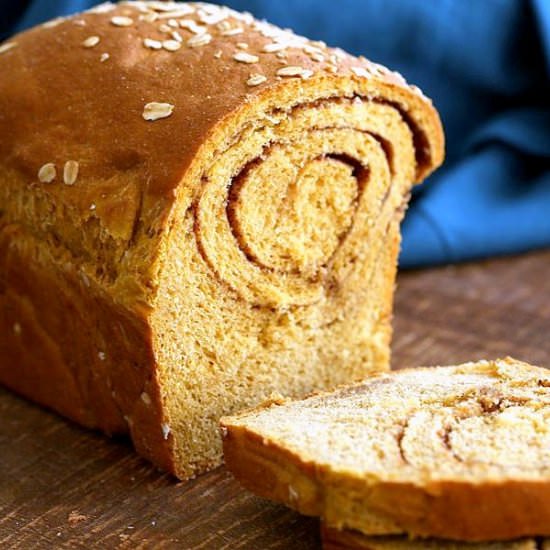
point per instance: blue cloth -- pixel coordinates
(486, 64)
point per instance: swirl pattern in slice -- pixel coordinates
(452, 452)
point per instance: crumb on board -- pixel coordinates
(75, 517)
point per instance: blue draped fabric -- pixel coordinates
(485, 63)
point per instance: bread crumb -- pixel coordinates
(165, 430)
(292, 494)
(360, 71)
(76, 517)
(145, 398)
(85, 279)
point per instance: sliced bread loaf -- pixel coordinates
(458, 452)
(187, 226)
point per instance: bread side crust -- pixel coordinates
(334, 539)
(54, 320)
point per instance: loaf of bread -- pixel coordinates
(334, 539)
(197, 209)
(459, 453)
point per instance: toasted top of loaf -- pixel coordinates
(113, 113)
(408, 445)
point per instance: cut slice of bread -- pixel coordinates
(335, 539)
(459, 453)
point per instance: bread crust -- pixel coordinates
(67, 346)
(465, 510)
(334, 539)
(92, 254)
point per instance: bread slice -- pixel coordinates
(161, 262)
(459, 453)
(334, 539)
(189, 222)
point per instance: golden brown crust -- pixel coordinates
(94, 249)
(487, 508)
(130, 168)
(111, 134)
(335, 539)
(43, 348)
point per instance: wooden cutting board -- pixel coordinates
(64, 487)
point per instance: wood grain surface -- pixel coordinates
(64, 487)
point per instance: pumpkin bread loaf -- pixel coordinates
(197, 209)
(460, 453)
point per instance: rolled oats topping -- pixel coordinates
(91, 41)
(199, 40)
(255, 79)
(152, 44)
(47, 173)
(155, 110)
(7, 46)
(70, 172)
(244, 57)
(171, 45)
(293, 70)
(122, 21)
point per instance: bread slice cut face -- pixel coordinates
(458, 452)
